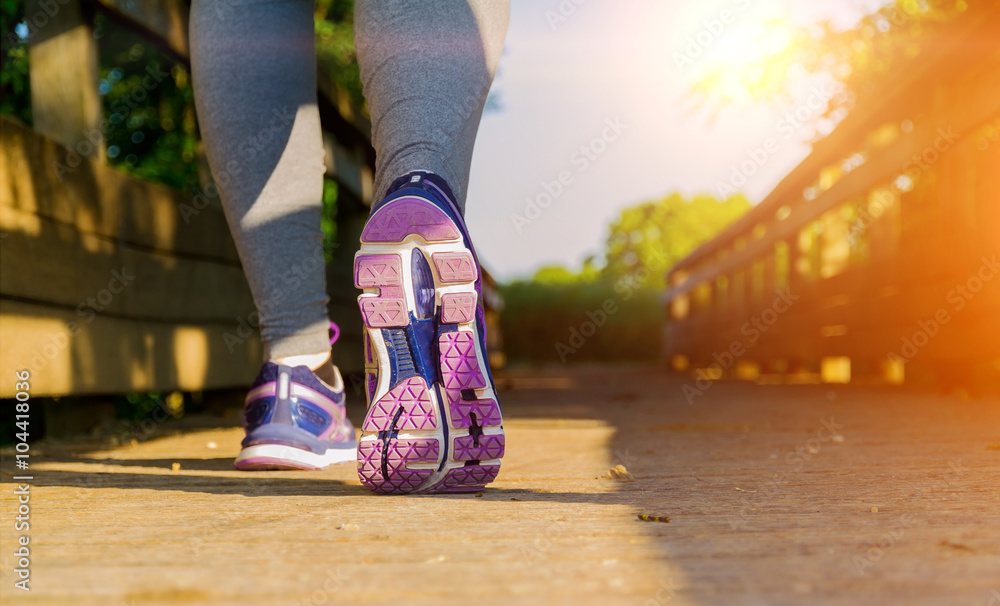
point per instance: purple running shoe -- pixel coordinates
(293, 420)
(433, 421)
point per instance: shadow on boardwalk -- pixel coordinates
(775, 494)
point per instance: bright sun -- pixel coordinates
(746, 51)
(752, 60)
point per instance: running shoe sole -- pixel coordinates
(419, 308)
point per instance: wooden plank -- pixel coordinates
(879, 321)
(51, 262)
(163, 20)
(932, 241)
(962, 116)
(348, 165)
(65, 104)
(72, 353)
(97, 199)
(69, 222)
(903, 94)
(776, 495)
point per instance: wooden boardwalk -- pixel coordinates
(790, 494)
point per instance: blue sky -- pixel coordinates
(598, 94)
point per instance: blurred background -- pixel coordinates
(771, 190)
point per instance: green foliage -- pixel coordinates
(329, 220)
(651, 237)
(556, 274)
(881, 42)
(154, 406)
(571, 322)
(15, 89)
(136, 407)
(544, 319)
(148, 119)
(335, 46)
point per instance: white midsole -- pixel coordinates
(297, 455)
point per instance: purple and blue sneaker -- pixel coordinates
(293, 420)
(433, 421)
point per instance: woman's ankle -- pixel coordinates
(321, 364)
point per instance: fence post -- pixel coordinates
(65, 102)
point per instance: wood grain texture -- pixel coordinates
(69, 352)
(162, 20)
(65, 267)
(771, 493)
(96, 199)
(63, 75)
(68, 222)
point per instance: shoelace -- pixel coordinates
(336, 332)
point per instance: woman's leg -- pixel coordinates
(427, 68)
(254, 70)
(433, 421)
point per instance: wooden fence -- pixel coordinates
(105, 285)
(876, 258)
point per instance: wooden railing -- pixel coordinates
(105, 285)
(876, 258)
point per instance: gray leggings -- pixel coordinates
(426, 68)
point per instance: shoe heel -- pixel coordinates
(384, 467)
(384, 462)
(409, 216)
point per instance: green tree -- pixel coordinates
(148, 118)
(15, 91)
(649, 238)
(335, 50)
(557, 274)
(880, 43)
(612, 313)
